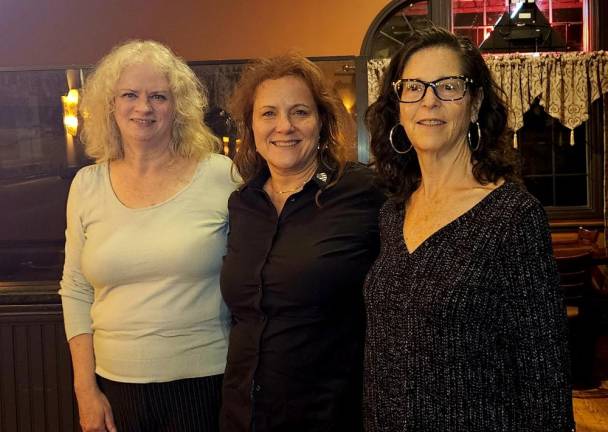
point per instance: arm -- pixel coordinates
(536, 318)
(93, 407)
(77, 297)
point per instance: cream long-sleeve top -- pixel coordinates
(145, 282)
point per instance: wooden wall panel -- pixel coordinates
(35, 376)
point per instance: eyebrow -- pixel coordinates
(137, 91)
(436, 79)
(291, 107)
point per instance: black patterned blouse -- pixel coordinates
(468, 332)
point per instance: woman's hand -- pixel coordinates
(95, 411)
(93, 406)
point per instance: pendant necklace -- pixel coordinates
(286, 191)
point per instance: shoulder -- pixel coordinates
(358, 179)
(358, 175)
(214, 177)
(217, 164)
(356, 171)
(90, 177)
(219, 168)
(392, 208)
(514, 203)
(523, 217)
(91, 172)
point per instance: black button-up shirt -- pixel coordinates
(293, 284)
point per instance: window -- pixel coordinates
(555, 169)
(476, 19)
(390, 33)
(562, 176)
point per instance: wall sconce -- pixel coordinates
(70, 112)
(226, 143)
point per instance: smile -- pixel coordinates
(431, 122)
(143, 121)
(285, 143)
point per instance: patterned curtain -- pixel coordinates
(566, 84)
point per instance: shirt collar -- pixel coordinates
(322, 177)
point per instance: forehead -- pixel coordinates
(429, 64)
(287, 89)
(143, 74)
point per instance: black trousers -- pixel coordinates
(188, 405)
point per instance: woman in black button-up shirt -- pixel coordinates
(303, 233)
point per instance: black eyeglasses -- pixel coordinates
(447, 89)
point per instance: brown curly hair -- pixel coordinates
(332, 114)
(494, 159)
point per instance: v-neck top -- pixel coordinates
(468, 332)
(108, 180)
(473, 209)
(145, 281)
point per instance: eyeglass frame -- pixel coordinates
(433, 84)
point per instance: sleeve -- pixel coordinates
(76, 292)
(536, 318)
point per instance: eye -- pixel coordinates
(412, 86)
(267, 114)
(158, 97)
(452, 85)
(300, 112)
(128, 95)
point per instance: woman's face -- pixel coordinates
(143, 105)
(431, 124)
(286, 125)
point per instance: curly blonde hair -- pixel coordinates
(190, 137)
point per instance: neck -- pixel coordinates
(283, 183)
(442, 173)
(148, 159)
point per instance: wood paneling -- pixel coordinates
(35, 377)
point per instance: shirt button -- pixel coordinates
(263, 318)
(258, 388)
(293, 199)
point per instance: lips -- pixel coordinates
(143, 121)
(430, 122)
(285, 143)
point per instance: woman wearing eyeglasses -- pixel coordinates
(466, 324)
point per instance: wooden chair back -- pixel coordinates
(574, 275)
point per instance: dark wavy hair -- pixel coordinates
(332, 114)
(494, 159)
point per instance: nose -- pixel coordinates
(284, 123)
(143, 104)
(430, 97)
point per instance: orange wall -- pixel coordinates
(36, 33)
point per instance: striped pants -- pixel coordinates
(188, 405)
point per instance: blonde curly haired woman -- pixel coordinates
(146, 232)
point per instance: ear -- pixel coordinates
(476, 105)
